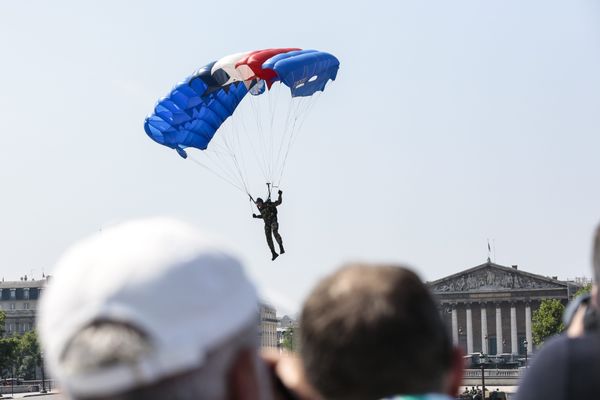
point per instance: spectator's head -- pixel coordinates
(370, 332)
(152, 309)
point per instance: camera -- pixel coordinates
(590, 318)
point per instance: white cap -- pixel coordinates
(162, 276)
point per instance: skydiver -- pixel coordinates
(268, 213)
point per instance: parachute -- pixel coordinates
(196, 113)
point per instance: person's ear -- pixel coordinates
(243, 378)
(456, 372)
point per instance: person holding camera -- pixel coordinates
(567, 366)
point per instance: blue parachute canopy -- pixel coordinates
(191, 114)
(304, 72)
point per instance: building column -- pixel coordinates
(514, 345)
(484, 343)
(469, 330)
(528, 327)
(454, 325)
(499, 348)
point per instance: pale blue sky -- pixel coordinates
(451, 122)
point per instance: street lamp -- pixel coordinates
(483, 380)
(525, 343)
(43, 375)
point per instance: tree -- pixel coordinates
(8, 355)
(2, 321)
(585, 289)
(289, 339)
(28, 355)
(547, 320)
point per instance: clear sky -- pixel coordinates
(450, 122)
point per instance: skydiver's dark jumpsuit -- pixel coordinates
(268, 212)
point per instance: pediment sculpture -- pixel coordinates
(490, 279)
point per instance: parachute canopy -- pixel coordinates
(191, 114)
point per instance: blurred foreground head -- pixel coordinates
(371, 332)
(152, 309)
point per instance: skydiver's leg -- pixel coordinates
(270, 240)
(275, 228)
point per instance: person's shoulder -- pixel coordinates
(547, 376)
(554, 345)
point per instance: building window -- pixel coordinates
(13, 294)
(25, 306)
(12, 306)
(26, 293)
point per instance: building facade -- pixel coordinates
(488, 308)
(268, 326)
(19, 301)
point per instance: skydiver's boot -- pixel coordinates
(270, 242)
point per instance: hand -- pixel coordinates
(280, 192)
(289, 370)
(254, 216)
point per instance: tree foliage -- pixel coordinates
(8, 355)
(2, 320)
(586, 289)
(547, 320)
(20, 356)
(29, 355)
(289, 339)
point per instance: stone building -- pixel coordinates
(18, 300)
(488, 308)
(268, 326)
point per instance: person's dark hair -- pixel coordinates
(369, 332)
(259, 200)
(596, 256)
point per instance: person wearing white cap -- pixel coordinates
(152, 309)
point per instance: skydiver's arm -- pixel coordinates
(278, 202)
(257, 216)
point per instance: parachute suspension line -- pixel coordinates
(291, 136)
(238, 145)
(220, 151)
(264, 132)
(274, 101)
(255, 103)
(224, 167)
(231, 147)
(309, 106)
(255, 152)
(224, 150)
(216, 174)
(251, 202)
(282, 131)
(286, 136)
